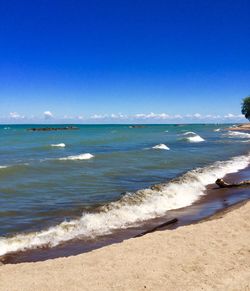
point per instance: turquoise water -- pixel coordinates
(39, 190)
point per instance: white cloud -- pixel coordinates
(139, 117)
(118, 116)
(109, 116)
(47, 115)
(68, 117)
(98, 116)
(178, 116)
(152, 115)
(197, 115)
(164, 116)
(234, 116)
(15, 115)
(229, 115)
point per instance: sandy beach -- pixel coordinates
(211, 255)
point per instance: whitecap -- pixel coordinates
(238, 134)
(192, 137)
(189, 133)
(61, 145)
(217, 129)
(85, 156)
(161, 146)
(130, 210)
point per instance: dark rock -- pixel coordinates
(52, 128)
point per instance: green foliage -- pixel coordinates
(245, 107)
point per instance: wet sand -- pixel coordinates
(211, 255)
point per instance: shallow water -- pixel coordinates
(43, 185)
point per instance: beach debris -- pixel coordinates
(222, 184)
(172, 221)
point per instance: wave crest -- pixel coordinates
(192, 137)
(61, 145)
(131, 209)
(85, 156)
(238, 134)
(161, 146)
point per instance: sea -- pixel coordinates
(59, 186)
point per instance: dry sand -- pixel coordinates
(212, 255)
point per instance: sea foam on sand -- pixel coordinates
(212, 255)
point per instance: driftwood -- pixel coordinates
(158, 226)
(222, 184)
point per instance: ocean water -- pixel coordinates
(61, 185)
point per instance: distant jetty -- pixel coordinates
(137, 126)
(52, 128)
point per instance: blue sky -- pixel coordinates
(123, 61)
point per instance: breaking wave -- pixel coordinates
(86, 156)
(238, 134)
(161, 146)
(130, 210)
(192, 137)
(60, 145)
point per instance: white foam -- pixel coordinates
(238, 134)
(61, 145)
(161, 146)
(217, 129)
(85, 156)
(189, 133)
(15, 165)
(192, 137)
(130, 209)
(196, 138)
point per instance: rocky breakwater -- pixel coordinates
(53, 128)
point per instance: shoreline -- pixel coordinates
(212, 254)
(215, 200)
